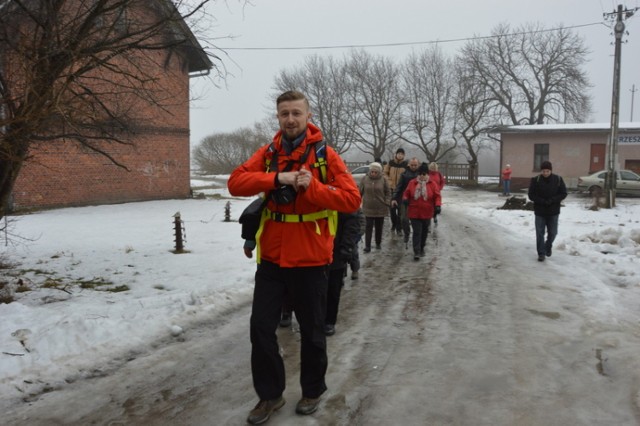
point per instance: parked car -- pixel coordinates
(359, 172)
(627, 183)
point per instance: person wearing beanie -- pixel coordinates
(393, 170)
(376, 193)
(375, 166)
(422, 198)
(547, 190)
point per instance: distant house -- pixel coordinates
(64, 174)
(574, 149)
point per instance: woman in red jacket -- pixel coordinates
(423, 199)
(506, 180)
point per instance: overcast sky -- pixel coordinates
(302, 23)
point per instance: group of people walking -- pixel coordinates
(407, 191)
(310, 220)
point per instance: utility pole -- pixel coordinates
(633, 94)
(612, 144)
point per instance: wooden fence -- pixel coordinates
(455, 174)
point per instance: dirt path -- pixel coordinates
(460, 337)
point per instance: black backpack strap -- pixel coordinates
(271, 164)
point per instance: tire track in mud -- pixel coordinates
(381, 314)
(426, 322)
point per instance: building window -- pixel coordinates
(540, 154)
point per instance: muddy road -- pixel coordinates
(460, 337)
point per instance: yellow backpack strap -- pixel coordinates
(321, 160)
(330, 215)
(263, 219)
(333, 222)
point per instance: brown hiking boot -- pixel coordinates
(307, 406)
(263, 410)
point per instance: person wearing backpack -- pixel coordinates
(307, 184)
(393, 170)
(547, 191)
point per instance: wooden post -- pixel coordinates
(177, 224)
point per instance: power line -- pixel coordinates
(410, 43)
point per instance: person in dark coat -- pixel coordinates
(547, 191)
(344, 249)
(438, 178)
(396, 198)
(355, 260)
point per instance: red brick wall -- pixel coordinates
(63, 173)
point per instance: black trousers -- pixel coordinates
(394, 213)
(336, 282)
(420, 231)
(371, 222)
(308, 289)
(404, 221)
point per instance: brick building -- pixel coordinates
(63, 173)
(574, 149)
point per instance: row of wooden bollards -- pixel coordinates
(180, 232)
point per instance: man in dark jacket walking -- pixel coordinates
(546, 191)
(396, 198)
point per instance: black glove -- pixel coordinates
(405, 202)
(438, 209)
(346, 253)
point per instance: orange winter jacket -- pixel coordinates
(298, 244)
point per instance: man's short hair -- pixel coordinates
(292, 95)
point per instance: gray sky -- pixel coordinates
(296, 23)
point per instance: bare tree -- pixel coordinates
(375, 98)
(428, 85)
(81, 70)
(323, 80)
(474, 113)
(535, 75)
(222, 152)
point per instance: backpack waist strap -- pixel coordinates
(330, 215)
(296, 218)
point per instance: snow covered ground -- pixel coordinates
(55, 334)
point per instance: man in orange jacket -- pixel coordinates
(294, 249)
